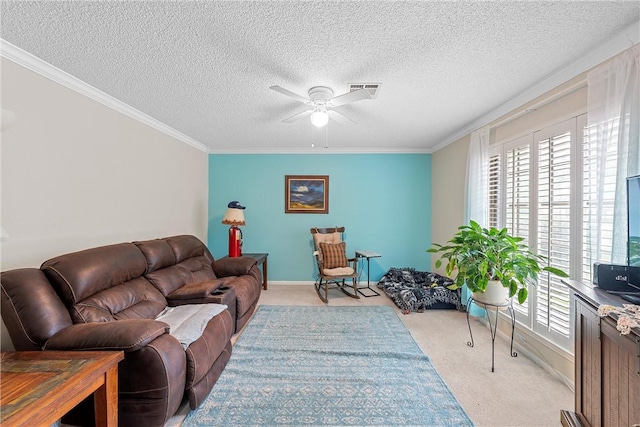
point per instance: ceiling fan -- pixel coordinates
(321, 102)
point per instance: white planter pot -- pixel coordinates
(495, 294)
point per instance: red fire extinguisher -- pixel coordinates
(235, 242)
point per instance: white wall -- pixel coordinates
(77, 174)
(449, 166)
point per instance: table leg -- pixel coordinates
(493, 329)
(105, 400)
(359, 290)
(493, 326)
(264, 274)
(469, 343)
(513, 329)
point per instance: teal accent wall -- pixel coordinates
(383, 200)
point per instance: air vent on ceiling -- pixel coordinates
(372, 88)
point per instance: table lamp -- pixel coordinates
(234, 217)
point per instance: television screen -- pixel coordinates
(633, 200)
(633, 238)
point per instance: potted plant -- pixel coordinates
(494, 265)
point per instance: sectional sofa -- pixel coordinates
(166, 303)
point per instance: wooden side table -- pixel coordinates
(39, 387)
(261, 260)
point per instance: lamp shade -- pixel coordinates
(233, 217)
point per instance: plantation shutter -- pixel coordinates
(544, 184)
(553, 207)
(494, 190)
(517, 189)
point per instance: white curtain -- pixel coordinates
(613, 117)
(476, 206)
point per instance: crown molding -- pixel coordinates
(322, 150)
(37, 65)
(619, 43)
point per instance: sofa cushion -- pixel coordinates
(158, 254)
(104, 284)
(188, 247)
(192, 270)
(192, 263)
(79, 275)
(135, 299)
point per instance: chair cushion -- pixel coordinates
(326, 238)
(334, 255)
(340, 271)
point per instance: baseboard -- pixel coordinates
(310, 283)
(291, 282)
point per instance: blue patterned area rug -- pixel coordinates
(328, 366)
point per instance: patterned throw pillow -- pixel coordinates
(334, 255)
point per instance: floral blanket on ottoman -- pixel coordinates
(413, 290)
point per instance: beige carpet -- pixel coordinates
(518, 393)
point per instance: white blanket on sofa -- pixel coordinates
(187, 322)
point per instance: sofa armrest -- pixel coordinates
(237, 266)
(196, 290)
(127, 335)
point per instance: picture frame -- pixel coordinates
(308, 194)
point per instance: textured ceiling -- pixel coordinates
(204, 68)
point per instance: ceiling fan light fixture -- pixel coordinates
(319, 117)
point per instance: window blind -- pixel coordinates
(517, 183)
(554, 231)
(494, 190)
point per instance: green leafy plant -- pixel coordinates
(480, 254)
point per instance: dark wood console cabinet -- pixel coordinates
(607, 364)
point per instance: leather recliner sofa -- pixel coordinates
(137, 297)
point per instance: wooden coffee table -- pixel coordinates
(39, 387)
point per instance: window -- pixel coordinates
(533, 193)
(553, 207)
(517, 185)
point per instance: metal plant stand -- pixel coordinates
(508, 304)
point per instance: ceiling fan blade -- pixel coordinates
(340, 118)
(297, 116)
(289, 93)
(356, 95)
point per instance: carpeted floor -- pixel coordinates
(321, 366)
(519, 393)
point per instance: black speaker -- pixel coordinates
(615, 278)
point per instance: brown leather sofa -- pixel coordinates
(126, 297)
